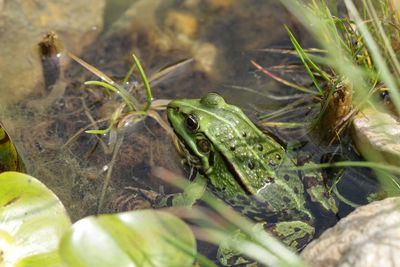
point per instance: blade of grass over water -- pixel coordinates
(168, 70)
(128, 99)
(270, 252)
(308, 64)
(108, 83)
(283, 81)
(386, 45)
(268, 95)
(129, 73)
(290, 51)
(318, 19)
(373, 165)
(149, 95)
(202, 260)
(377, 166)
(285, 124)
(101, 132)
(92, 69)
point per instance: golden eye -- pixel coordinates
(203, 145)
(191, 123)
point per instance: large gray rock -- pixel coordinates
(369, 236)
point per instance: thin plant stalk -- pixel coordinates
(149, 95)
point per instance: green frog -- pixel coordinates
(248, 169)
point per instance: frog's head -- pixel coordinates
(220, 141)
(190, 118)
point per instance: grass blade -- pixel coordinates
(149, 95)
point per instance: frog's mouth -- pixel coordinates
(195, 162)
(186, 154)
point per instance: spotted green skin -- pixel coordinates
(246, 168)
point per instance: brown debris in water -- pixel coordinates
(339, 106)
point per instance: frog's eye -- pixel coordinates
(203, 145)
(191, 123)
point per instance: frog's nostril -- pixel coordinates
(251, 165)
(259, 147)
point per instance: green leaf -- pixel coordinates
(32, 221)
(137, 238)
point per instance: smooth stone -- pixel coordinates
(367, 237)
(377, 136)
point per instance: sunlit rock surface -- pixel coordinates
(377, 136)
(369, 236)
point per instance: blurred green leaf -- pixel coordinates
(138, 238)
(32, 221)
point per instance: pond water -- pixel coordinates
(45, 105)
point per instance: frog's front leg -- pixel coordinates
(191, 193)
(134, 198)
(317, 189)
(138, 198)
(294, 234)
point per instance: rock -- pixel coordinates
(369, 236)
(182, 23)
(220, 4)
(175, 35)
(377, 136)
